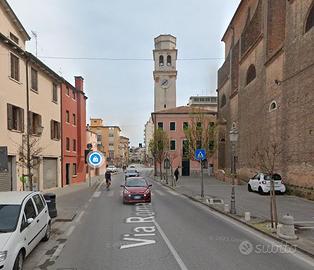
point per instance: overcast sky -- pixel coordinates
(121, 92)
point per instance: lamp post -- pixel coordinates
(233, 136)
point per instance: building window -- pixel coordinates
(160, 125)
(14, 38)
(73, 94)
(251, 74)
(272, 106)
(99, 138)
(35, 123)
(67, 91)
(172, 125)
(67, 144)
(168, 60)
(15, 118)
(74, 119)
(67, 116)
(211, 145)
(74, 145)
(199, 125)
(310, 20)
(161, 60)
(55, 128)
(54, 93)
(223, 101)
(74, 172)
(165, 106)
(34, 79)
(211, 124)
(15, 67)
(172, 145)
(185, 125)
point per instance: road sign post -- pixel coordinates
(95, 159)
(200, 155)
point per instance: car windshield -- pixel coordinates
(131, 171)
(136, 183)
(9, 214)
(276, 177)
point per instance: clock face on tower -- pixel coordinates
(164, 83)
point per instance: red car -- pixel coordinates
(136, 190)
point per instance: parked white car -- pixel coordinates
(24, 222)
(261, 183)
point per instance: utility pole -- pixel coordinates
(202, 184)
(28, 124)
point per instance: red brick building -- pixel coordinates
(265, 87)
(73, 115)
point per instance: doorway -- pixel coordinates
(185, 167)
(67, 173)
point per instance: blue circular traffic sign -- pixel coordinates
(95, 159)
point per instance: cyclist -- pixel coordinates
(108, 178)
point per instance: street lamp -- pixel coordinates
(233, 136)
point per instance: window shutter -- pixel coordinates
(52, 129)
(21, 112)
(30, 123)
(59, 131)
(10, 116)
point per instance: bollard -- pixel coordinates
(51, 203)
(286, 229)
(211, 201)
(226, 208)
(247, 216)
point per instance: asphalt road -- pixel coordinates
(170, 233)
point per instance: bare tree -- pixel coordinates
(158, 147)
(265, 158)
(201, 133)
(30, 160)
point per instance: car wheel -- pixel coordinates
(48, 232)
(249, 188)
(260, 191)
(19, 261)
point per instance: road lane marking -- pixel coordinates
(260, 236)
(159, 192)
(173, 192)
(171, 248)
(70, 231)
(97, 194)
(79, 217)
(57, 253)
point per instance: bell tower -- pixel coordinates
(165, 72)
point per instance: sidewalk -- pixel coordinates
(71, 198)
(258, 205)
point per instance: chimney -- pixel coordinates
(79, 83)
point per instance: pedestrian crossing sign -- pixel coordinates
(200, 154)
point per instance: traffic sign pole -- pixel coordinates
(200, 155)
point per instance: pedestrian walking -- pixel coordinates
(176, 173)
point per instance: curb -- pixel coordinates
(239, 220)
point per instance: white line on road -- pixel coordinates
(97, 194)
(70, 230)
(173, 193)
(259, 235)
(79, 217)
(171, 248)
(159, 192)
(56, 254)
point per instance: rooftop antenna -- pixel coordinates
(36, 40)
